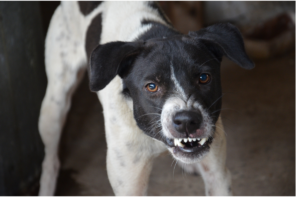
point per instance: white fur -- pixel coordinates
(64, 68)
(178, 87)
(133, 176)
(175, 104)
(130, 152)
(170, 108)
(216, 176)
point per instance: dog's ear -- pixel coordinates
(224, 39)
(110, 59)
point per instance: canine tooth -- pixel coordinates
(185, 140)
(203, 141)
(190, 139)
(179, 139)
(194, 139)
(180, 144)
(175, 142)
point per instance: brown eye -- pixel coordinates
(204, 78)
(151, 87)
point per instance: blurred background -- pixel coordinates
(258, 105)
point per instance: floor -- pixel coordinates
(259, 119)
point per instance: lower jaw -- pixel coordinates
(191, 155)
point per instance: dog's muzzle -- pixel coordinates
(189, 135)
(189, 130)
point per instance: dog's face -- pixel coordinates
(175, 89)
(174, 85)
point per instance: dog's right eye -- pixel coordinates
(204, 78)
(151, 87)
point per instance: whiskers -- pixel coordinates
(221, 128)
(216, 101)
(155, 123)
(155, 127)
(147, 114)
(182, 165)
(156, 107)
(222, 110)
(176, 161)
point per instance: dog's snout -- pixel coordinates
(187, 122)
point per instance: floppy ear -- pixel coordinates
(224, 39)
(110, 59)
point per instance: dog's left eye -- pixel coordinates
(204, 78)
(151, 87)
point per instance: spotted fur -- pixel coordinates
(92, 35)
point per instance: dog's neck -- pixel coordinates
(131, 16)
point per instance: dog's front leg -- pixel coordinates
(213, 168)
(128, 172)
(65, 67)
(130, 156)
(130, 152)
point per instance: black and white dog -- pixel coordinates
(160, 90)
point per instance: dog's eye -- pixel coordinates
(151, 87)
(204, 78)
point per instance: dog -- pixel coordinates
(160, 90)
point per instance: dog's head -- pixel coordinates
(174, 83)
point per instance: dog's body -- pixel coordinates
(147, 109)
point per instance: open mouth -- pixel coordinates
(192, 145)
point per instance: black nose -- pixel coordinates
(186, 122)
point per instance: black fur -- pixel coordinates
(93, 34)
(109, 60)
(224, 39)
(148, 60)
(86, 7)
(158, 31)
(153, 65)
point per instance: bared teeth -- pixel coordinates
(202, 141)
(180, 144)
(180, 141)
(177, 142)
